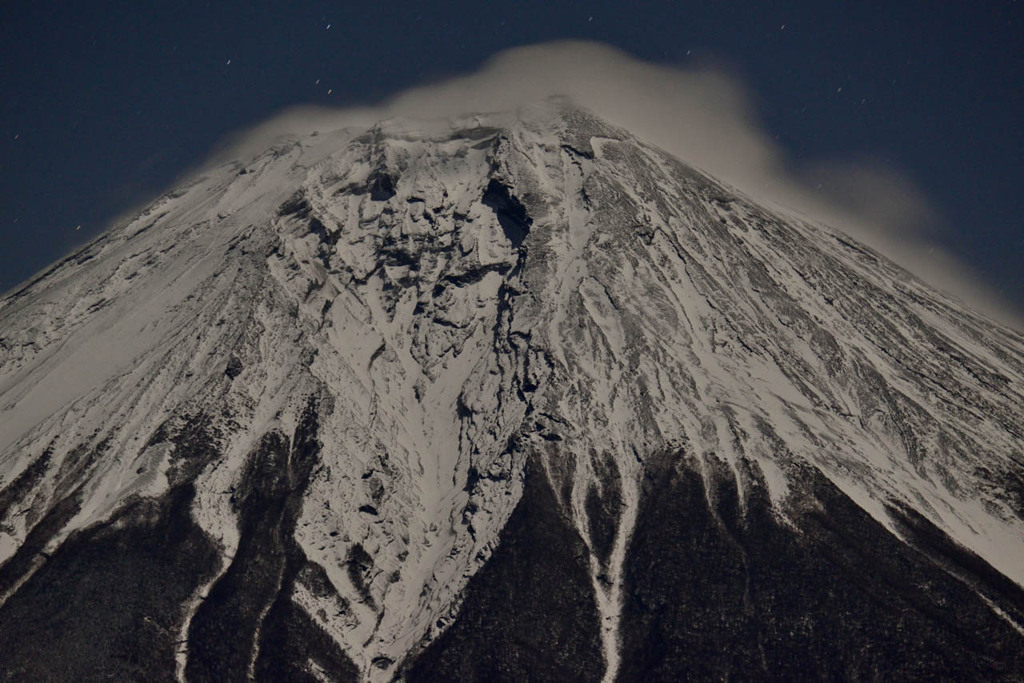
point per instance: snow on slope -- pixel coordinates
(461, 296)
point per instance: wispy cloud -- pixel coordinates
(707, 118)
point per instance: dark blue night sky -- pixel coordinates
(103, 104)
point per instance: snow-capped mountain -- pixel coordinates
(510, 397)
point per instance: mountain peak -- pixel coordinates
(384, 399)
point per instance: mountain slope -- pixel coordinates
(502, 396)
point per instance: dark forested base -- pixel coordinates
(717, 586)
(110, 603)
(249, 619)
(715, 591)
(530, 613)
(723, 588)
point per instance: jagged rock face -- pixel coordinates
(500, 398)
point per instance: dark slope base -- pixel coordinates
(717, 593)
(712, 591)
(529, 614)
(254, 595)
(110, 603)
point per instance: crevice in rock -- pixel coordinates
(510, 212)
(382, 185)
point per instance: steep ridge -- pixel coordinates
(512, 395)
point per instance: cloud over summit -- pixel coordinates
(704, 116)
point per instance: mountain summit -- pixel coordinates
(509, 397)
